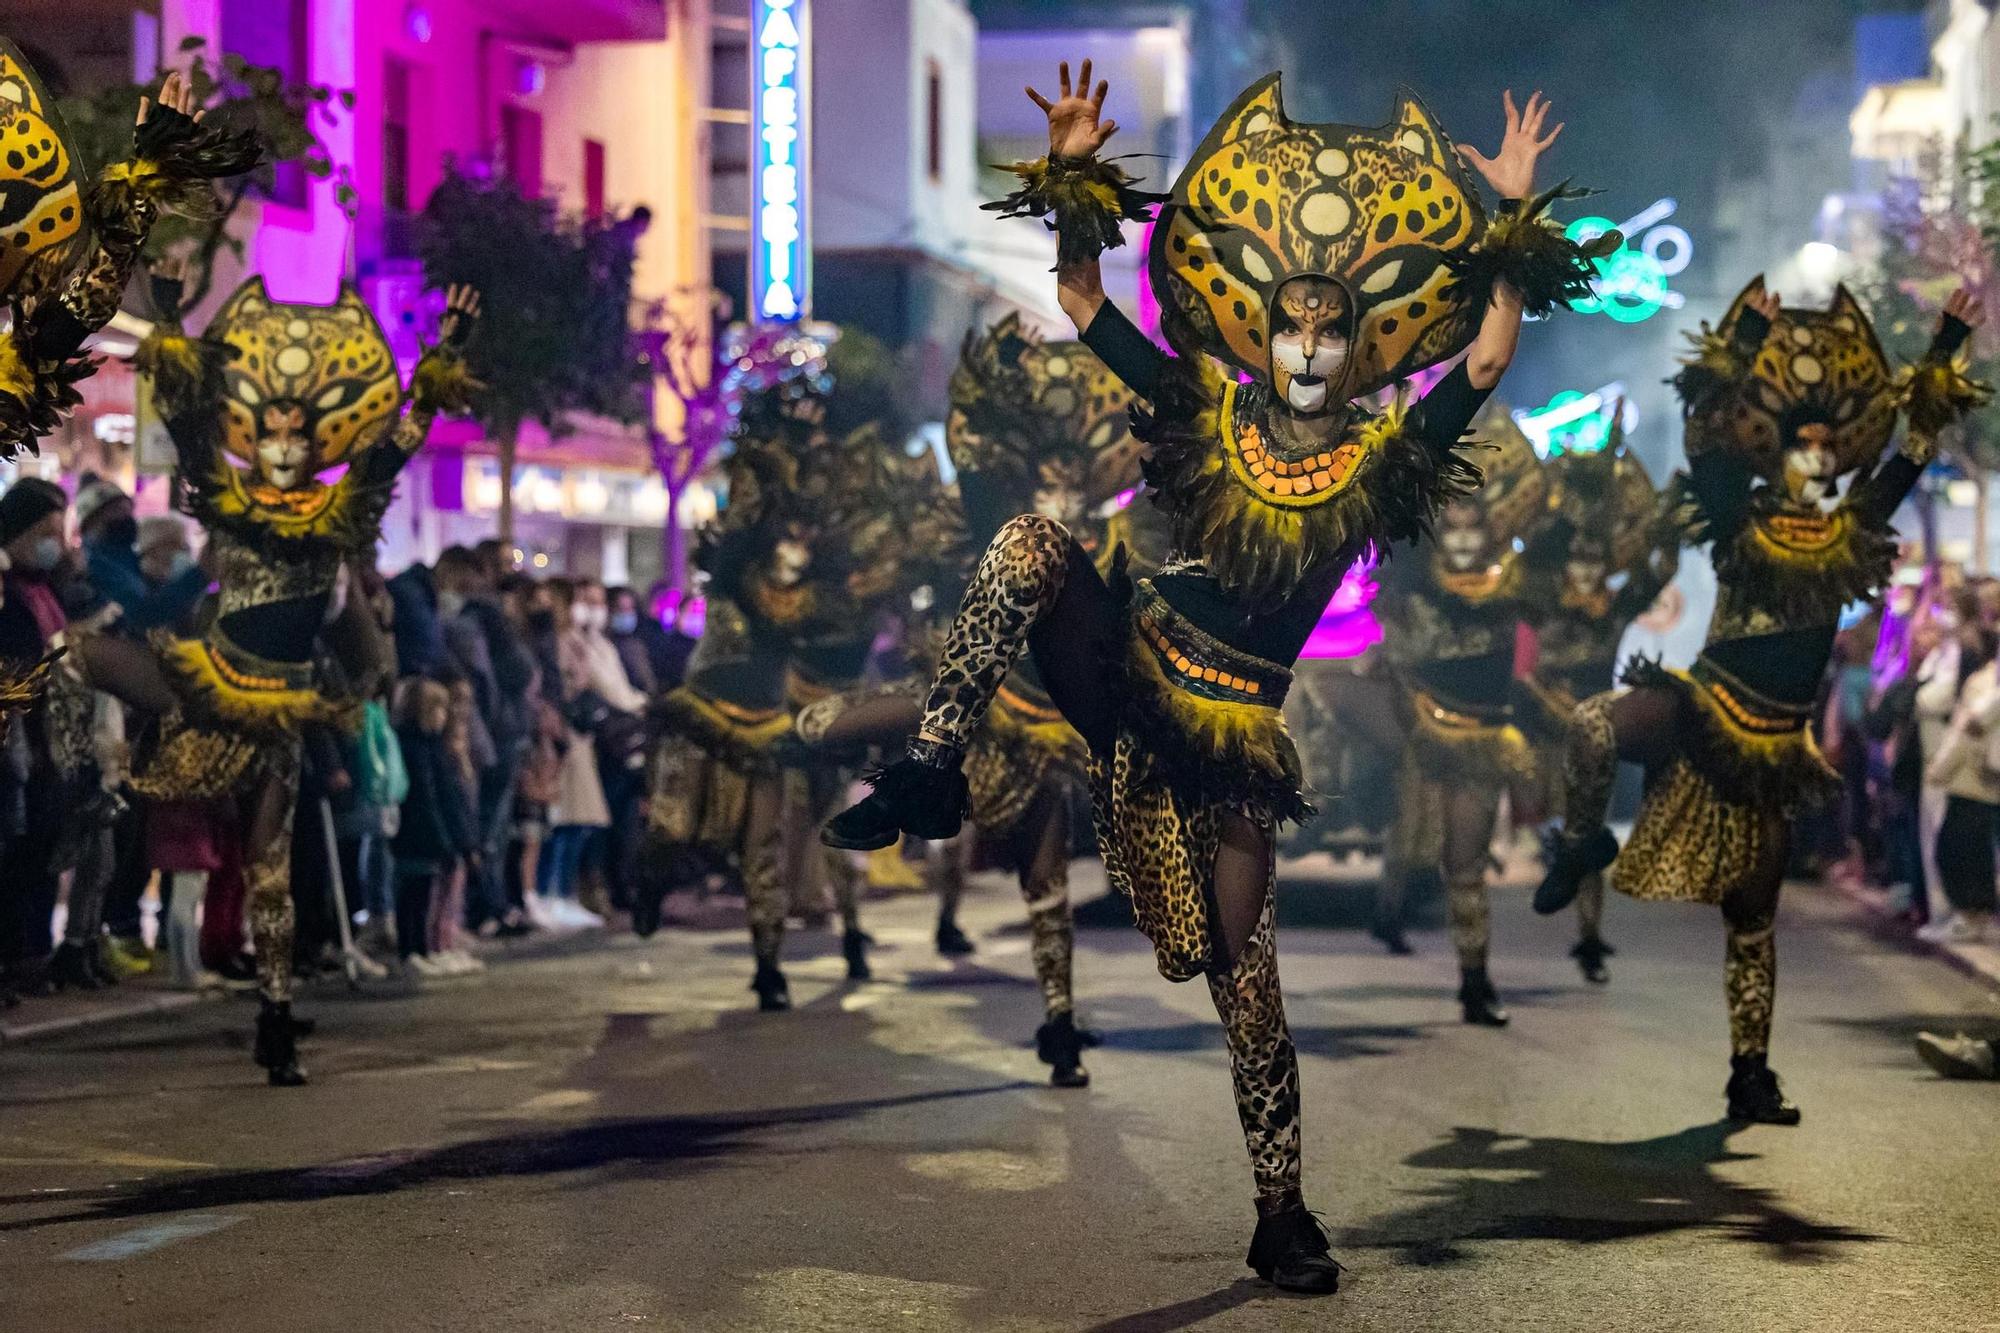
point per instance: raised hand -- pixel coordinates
(461, 312)
(1964, 307)
(176, 94)
(1765, 303)
(1511, 171)
(1074, 127)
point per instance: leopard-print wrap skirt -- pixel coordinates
(1701, 828)
(1193, 744)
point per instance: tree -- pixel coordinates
(286, 116)
(1940, 226)
(554, 336)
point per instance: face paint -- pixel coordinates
(1309, 345)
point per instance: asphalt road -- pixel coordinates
(612, 1139)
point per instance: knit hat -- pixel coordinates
(96, 493)
(157, 530)
(27, 502)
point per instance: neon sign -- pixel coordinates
(1575, 423)
(780, 119)
(1631, 284)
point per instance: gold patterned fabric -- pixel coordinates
(1022, 748)
(41, 189)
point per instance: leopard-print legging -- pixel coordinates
(1018, 580)
(811, 797)
(1750, 981)
(267, 877)
(1263, 1063)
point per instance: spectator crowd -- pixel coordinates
(491, 784)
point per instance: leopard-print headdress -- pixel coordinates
(1379, 211)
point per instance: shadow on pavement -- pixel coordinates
(1187, 1313)
(655, 1140)
(1590, 1193)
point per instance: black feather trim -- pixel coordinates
(1081, 199)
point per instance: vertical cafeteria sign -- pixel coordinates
(781, 116)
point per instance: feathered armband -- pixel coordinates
(173, 159)
(185, 370)
(1526, 250)
(1937, 393)
(443, 383)
(36, 393)
(1081, 199)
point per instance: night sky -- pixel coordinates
(1661, 98)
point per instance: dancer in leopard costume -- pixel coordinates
(1606, 552)
(1321, 263)
(1780, 403)
(1450, 617)
(291, 392)
(812, 551)
(1034, 427)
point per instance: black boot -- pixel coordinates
(773, 995)
(277, 1044)
(854, 947)
(1570, 865)
(1059, 1043)
(69, 969)
(1754, 1094)
(924, 798)
(952, 941)
(1590, 953)
(1479, 1000)
(1390, 933)
(1290, 1250)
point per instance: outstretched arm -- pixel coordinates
(440, 384)
(1511, 173)
(1938, 395)
(170, 153)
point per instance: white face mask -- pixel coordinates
(586, 617)
(1462, 547)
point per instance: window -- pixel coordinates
(593, 179)
(521, 143)
(396, 136)
(272, 33)
(934, 137)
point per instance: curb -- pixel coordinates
(165, 1002)
(531, 949)
(1956, 956)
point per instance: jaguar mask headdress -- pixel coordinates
(1481, 531)
(1322, 263)
(1277, 227)
(1041, 427)
(307, 385)
(1819, 400)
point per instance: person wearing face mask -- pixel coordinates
(111, 555)
(1450, 615)
(33, 514)
(483, 649)
(1300, 267)
(1600, 560)
(598, 701)
(1727, 746)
